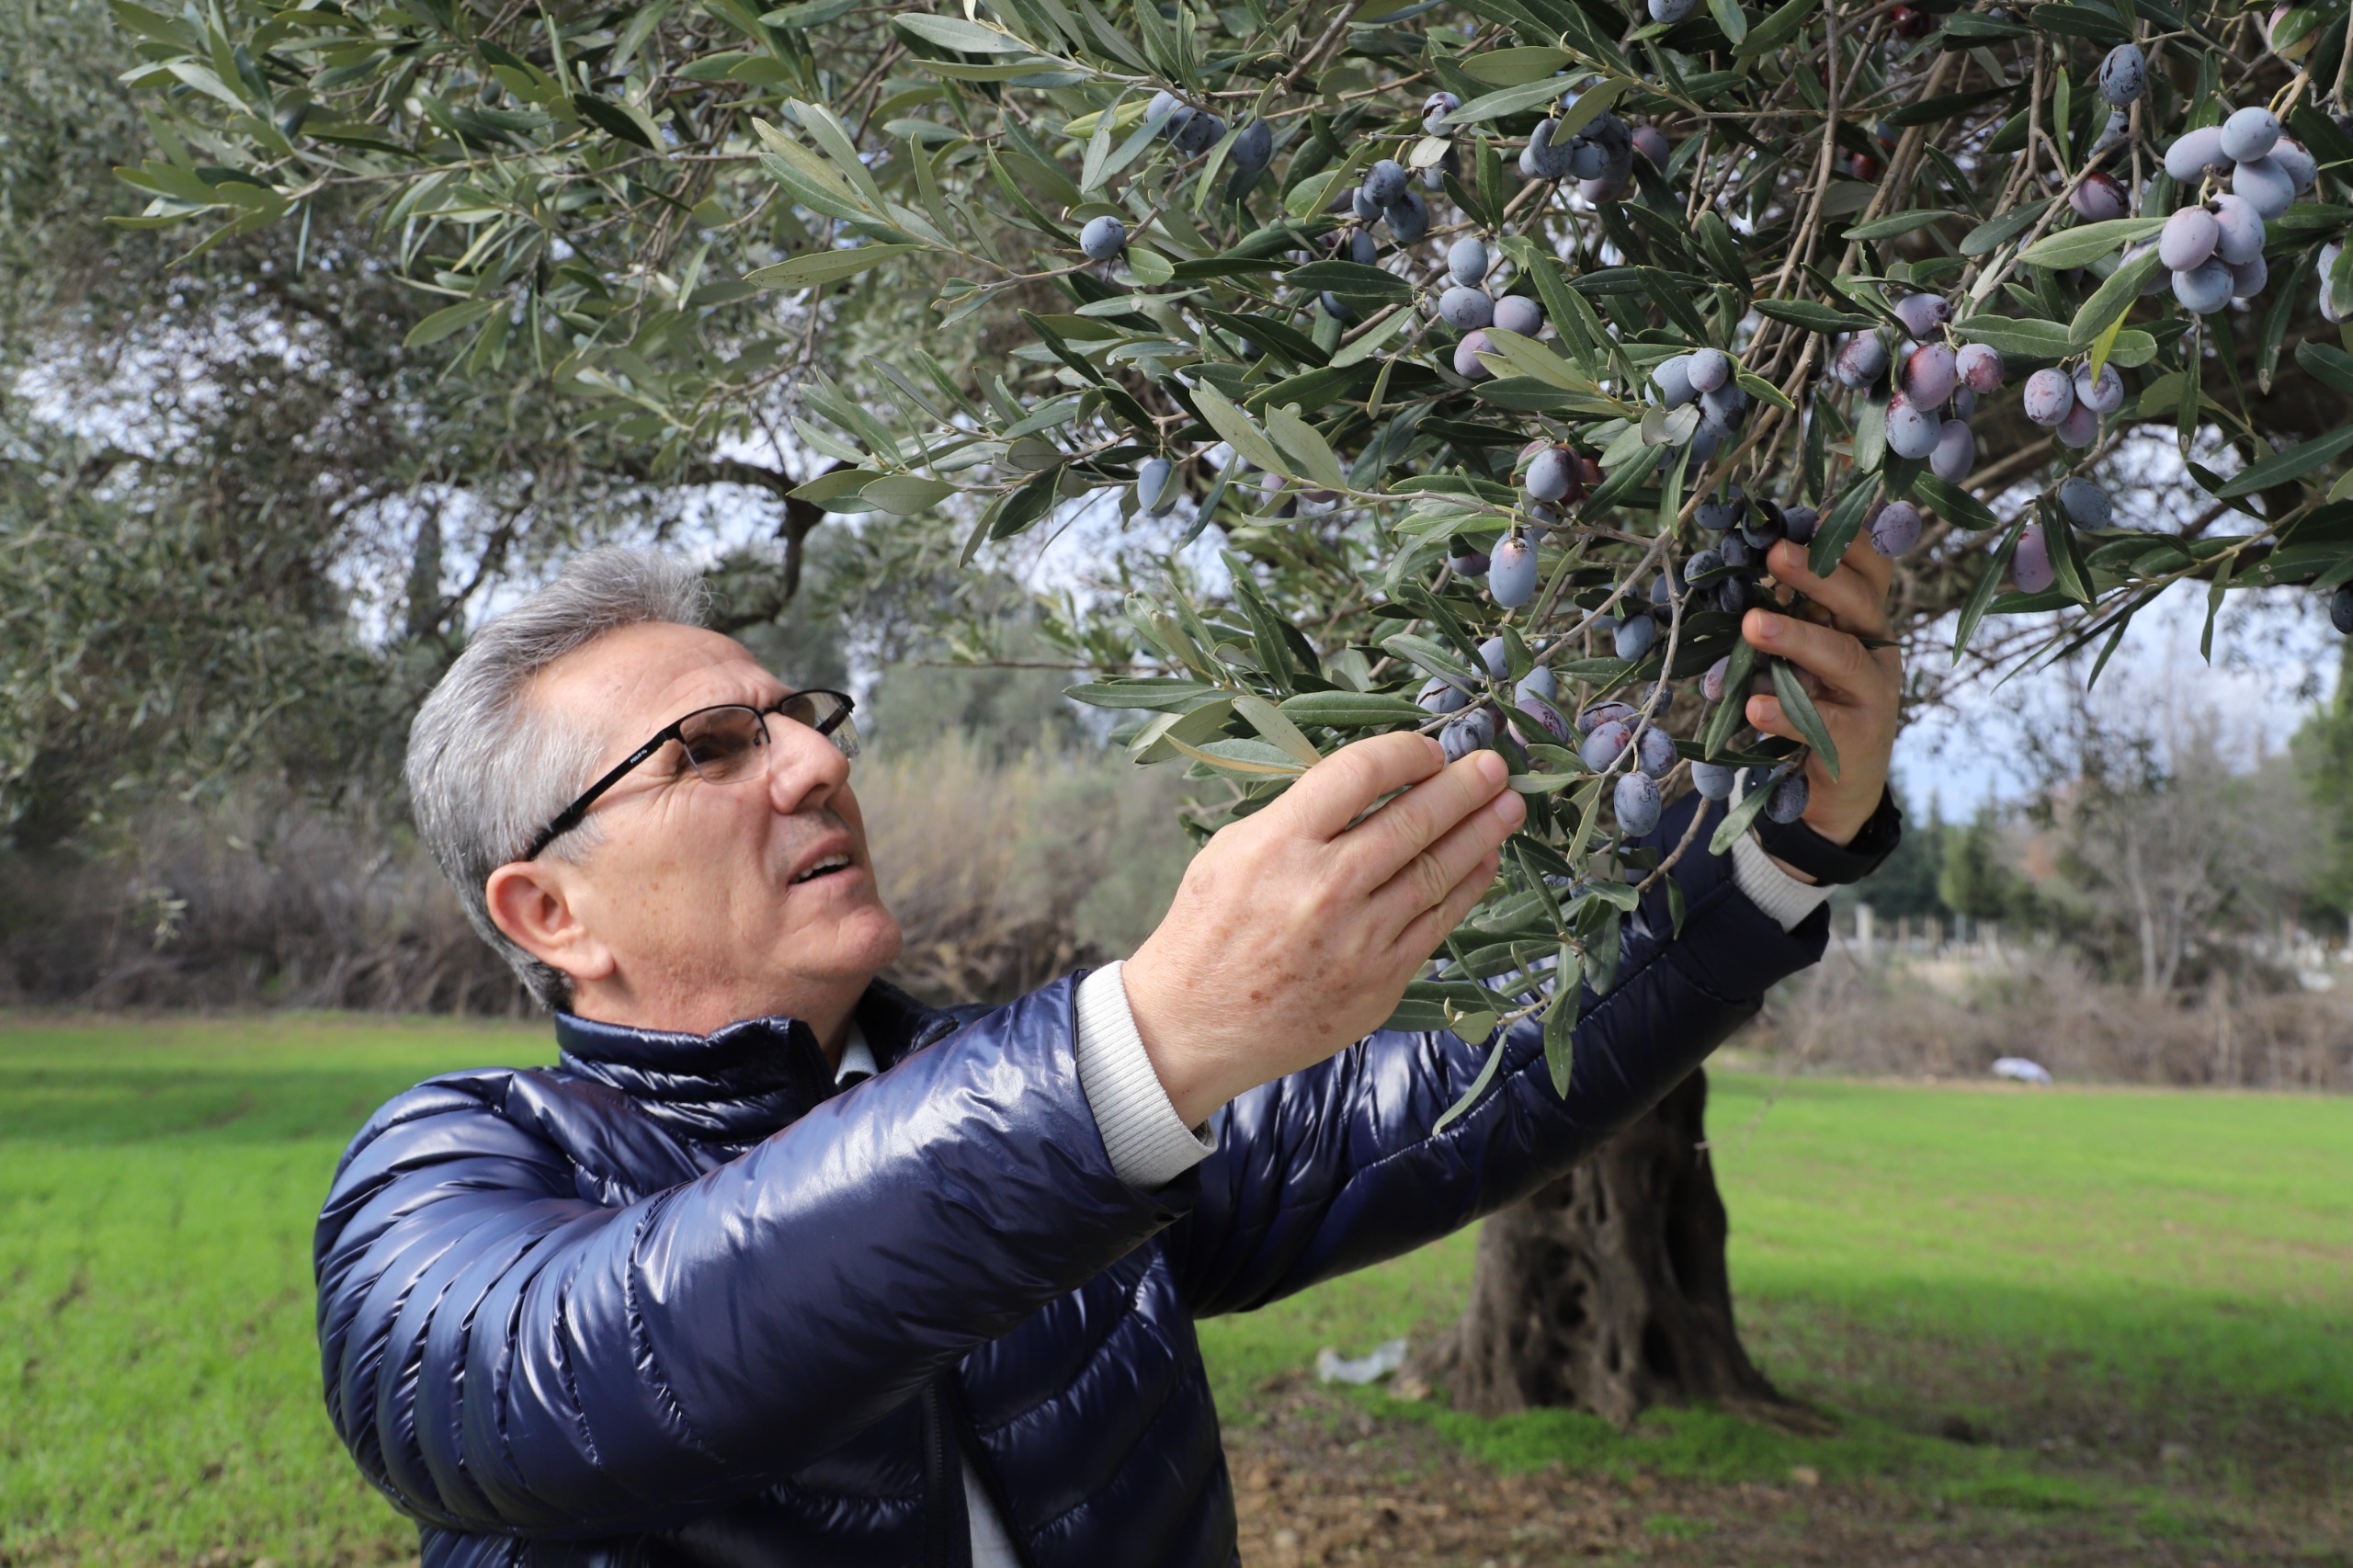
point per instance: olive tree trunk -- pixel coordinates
(1607, 1290)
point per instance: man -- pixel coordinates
(779, 1267)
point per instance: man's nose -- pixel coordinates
(805, 769)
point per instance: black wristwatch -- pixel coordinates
(1794, 844)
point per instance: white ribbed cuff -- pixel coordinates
(1149, 1146)
(1770, 888)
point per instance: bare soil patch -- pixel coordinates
(1322, 1477)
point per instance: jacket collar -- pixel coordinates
(742, 1083)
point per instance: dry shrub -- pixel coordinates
(1003, 877)
(1950, 1017)
(1006, 876)
(246, 905)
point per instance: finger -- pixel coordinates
(1382, 845)
(1855, 592)
(1836, 658)
(1341, 788)
(1424, 881)
(1768, 717)
(1426, 930)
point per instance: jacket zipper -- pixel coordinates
(947, 1518)
(952, 1398)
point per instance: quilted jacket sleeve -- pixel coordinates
(503, 1354)
(1336, 1168)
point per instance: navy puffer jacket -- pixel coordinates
(679, 1300)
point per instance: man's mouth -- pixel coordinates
(825, 866)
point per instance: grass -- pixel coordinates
(2086, 1277)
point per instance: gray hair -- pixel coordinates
(487, 769)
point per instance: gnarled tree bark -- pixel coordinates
(1607, 1290)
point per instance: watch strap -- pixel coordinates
(1794, 844)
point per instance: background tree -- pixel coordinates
(1184, 266)
(2323, 750)
(2163, 841)
(1978, 876)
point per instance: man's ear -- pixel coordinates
(530, 901)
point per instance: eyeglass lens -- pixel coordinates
(726, 744)
(723, 744)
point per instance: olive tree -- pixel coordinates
(1494, 339)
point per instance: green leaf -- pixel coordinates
(905, 495)
(2328, 363)
(809, 13)
(1530, 358)
(1995, 233)
(834, 483)
(1969, 27)
(2087, 243)
(2330, 146)
(823, 267)
(2275, 322)
(1798, 705)
(1954, 503)
(1478, 1085)
(2111, 300)
(2061, 102)
(1737, 821)
(2293, 463)
(2080, 21)
(1148, 267)
(1729, 16)
(1511, 67)
(447, 321)
(1532, 94)
(965, 38)
(1870, 433)
(1775, 31)
(1268, 721)
(1973, 609)
(1164, 693)
(1560, 1019)
(2132, 348)
(2025, 337)
(1509, 100)
(1301, 441)
(1762, 390)
(1372, 339)
(1236, 429)
(1731, 711)
(1246, 759)
(2191, 396)
(2067, 569)
(1351, 709)
(1812, 315)
(1015, 512)
(1439, 661)
(623, 122)
(1351, 280)
(1838, 530)
(1900, 223)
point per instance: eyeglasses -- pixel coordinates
(725, 745)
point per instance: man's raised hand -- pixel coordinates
(1295, 930)
(1857, 689)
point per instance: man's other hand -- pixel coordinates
(1296, 929)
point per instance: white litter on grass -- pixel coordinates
(2020, 1069)
(1330, 1367)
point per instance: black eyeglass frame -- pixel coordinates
(572, 816)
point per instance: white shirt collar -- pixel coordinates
(858, 1057)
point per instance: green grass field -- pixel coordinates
(2143, 1300)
